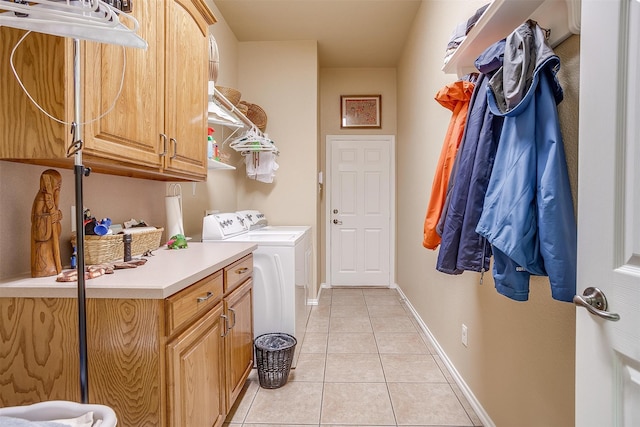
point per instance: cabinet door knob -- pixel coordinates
(242, 270)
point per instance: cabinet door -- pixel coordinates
(41, 63)
(195, 374)
(239, 339)
(186, 92)
(130, 133)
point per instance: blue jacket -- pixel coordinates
(461, 247)
(528, 210)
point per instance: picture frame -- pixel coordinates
(360, 111)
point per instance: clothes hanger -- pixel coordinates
(253, 140)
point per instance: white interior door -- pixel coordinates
(360, 189)
(608, 352)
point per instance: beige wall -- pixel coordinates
(520, 360)
(107, 196)
(220, 189)
(282, 78)
(351, 81)
(519, 363)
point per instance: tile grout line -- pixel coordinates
(384, 374)
(326, 356)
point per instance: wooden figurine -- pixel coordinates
(46, 226)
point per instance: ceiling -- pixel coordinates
(350, 33)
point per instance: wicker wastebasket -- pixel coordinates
(274, 354)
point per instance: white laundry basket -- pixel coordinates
(61, 409)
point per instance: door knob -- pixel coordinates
(335, 211)
(338, 222)
(593, 299)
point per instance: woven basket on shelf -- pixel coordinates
(101, 249)
(243, 107)
(233, 95)
(256, 114)
(214, 59)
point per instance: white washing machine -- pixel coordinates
(257, 224)
(282, 272)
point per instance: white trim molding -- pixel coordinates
(471, 398)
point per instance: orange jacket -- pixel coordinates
(456, 97)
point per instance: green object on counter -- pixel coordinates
(177, 241)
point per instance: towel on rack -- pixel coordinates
(261, 166)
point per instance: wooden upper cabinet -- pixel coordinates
(160, 119)
(130, 132)
(26, 132)
(164, 93)
(186, 38)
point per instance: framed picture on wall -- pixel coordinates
(360, 111)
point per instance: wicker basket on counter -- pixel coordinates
(101, 249)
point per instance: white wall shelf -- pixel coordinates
(562, 17)
(219, 114)
(215, 164)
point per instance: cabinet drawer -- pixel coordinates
(194, 300)
(237, 273)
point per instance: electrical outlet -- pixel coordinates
(465, 335)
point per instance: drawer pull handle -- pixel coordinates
(226, 326)
(164, 145)
(234, 318)
(242, 270)
(175, 148)
(203, 299)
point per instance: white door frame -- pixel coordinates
(330, 140)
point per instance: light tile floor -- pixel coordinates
(363, 362)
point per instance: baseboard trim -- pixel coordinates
(473, 401)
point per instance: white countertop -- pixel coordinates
(164, 274)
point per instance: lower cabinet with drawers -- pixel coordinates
(178, 362)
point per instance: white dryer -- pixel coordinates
(257, 223)
(280, 280)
